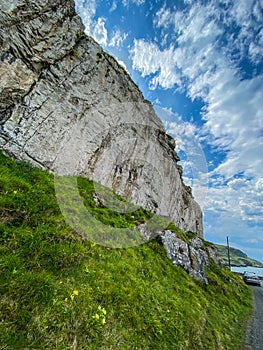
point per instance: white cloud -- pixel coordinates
(182, 131)
(117, 38)
(256, 48)
(234, 118)
(248, 16)
(113, 6)
(94, 28)
(133, 2)
(87, 13)
(164, 18)
(238, 197)
(149, 59)
(99, 32)
(203, 46)
(259, 185)
(144, 57)
(193, 57)
(237, 184)
(122, 64)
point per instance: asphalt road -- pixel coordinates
(254, 336)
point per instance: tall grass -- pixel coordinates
(59, 291)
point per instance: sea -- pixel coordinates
(257, 270)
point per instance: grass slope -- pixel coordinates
(237, 257)
(59, 291)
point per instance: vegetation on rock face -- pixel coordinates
(237, 257)
(59, 291)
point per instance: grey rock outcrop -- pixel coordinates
(67, 106)
(193, 257)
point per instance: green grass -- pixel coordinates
(59, 291)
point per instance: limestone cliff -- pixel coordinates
(69, 107)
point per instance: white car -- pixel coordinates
(251, 278)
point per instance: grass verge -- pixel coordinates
(59, 291)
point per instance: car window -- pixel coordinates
(250, 274)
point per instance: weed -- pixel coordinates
(98, 57)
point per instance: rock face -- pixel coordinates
(67, 106)
(192, 257)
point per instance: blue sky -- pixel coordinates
(200, 63)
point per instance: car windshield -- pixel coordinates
(250, 274)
